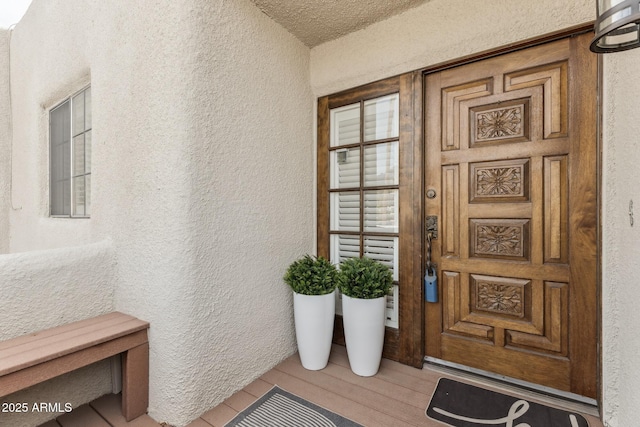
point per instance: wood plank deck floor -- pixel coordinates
(396, 397)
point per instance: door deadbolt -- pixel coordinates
(431, 193)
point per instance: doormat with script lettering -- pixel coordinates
(463, 405)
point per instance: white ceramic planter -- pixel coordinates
(364, 321)
(314, 317)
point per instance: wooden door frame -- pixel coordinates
(417, 358)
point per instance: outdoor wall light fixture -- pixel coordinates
(617, 27)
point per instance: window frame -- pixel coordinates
(400, 344)
(72, 174)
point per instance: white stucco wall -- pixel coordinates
(45, 69)
(621, 240)
(202, 170)
(233, 108)
(442, 30)
(42, 289)
(37, 287)
(251, 201)
(5, 141)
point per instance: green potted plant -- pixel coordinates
(364, 284)
(313, 281)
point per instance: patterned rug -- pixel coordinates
(279, 408)
(463, 405)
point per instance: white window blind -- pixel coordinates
(345, 211)
(344, 247)
(381, 211)
(345, 168)
(345, 125)
(381, 164)
(381, 118)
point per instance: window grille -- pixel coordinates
(364, 185)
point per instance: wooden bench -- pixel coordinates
(37, 357)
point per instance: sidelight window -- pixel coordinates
(364, 185)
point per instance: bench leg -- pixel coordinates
(135, 382)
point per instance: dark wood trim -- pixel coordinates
(361, 179)
(365, 234)
(411, 214)
(582, 222)
(372, 188)
(363, 143)
(322, 231)
(599, 168)
(365, 92)
(432, 131)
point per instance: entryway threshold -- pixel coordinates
(546, 395)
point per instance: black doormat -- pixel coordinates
(463, 405)
(279, 408)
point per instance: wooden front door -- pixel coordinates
(511, 154)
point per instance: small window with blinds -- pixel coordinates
(364, 185)
(70, 156)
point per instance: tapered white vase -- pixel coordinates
(314, 316)
(364, 326)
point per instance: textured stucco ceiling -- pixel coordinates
(317, 21)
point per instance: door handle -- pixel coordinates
(432, 226)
